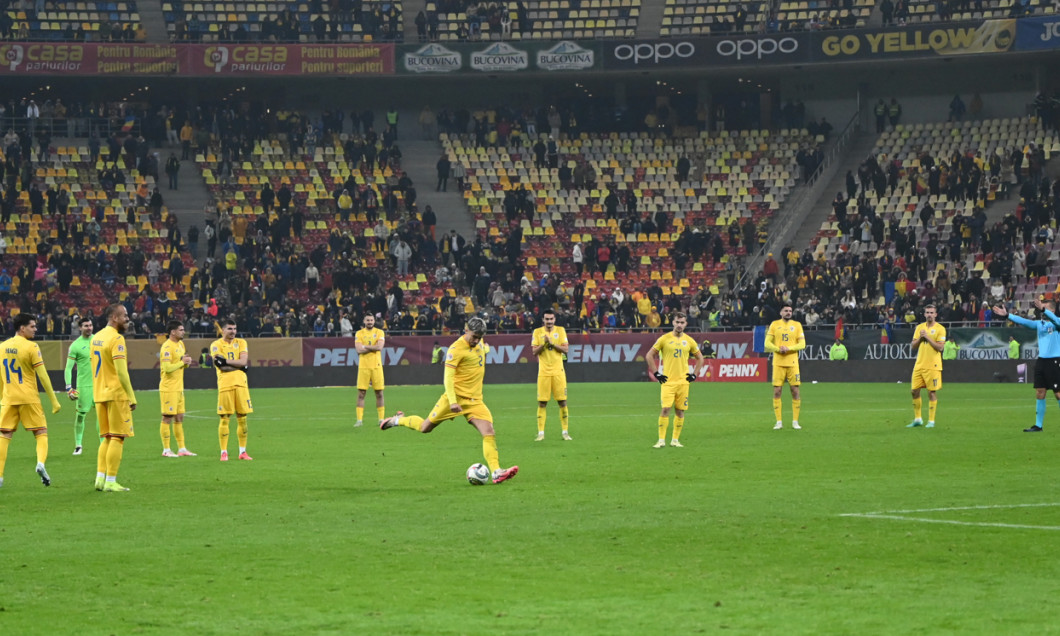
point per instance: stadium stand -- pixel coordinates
(711, 17)
(96, 21)
(460, 20)
(915, 213)
(290, 21)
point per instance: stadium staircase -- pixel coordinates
(860, 147)
(154, 23)
(419, 160)
(650, 24)
(188, 201)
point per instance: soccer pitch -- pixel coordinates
(854, 525)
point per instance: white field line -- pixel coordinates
(904, 515)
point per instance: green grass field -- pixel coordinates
(746, 530)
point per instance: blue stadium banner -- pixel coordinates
(1036, 34)
(498, 57)
(745, 50)
(928, 40)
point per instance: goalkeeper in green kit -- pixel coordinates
(80, 357)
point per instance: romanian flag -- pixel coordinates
(130, 120)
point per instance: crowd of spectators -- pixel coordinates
(325, 22)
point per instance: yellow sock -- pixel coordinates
(776, 409)
(380, 411)
(916, 408)
(101, 456)
(241, 431)
(931, 410)
(679, 423)
(411, 421)
(360, 413)
(178, 433)
(796, 406)
(4, 443)
(42, 448)
(564, 418)
(114, 450)
(489, 451)
(222, 432)
(164, 432)
(542, 414)
(664, 423)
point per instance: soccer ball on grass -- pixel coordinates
(478, 475)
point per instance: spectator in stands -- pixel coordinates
(187, 134)
(957, 109)
(443, 167)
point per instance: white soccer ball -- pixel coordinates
(478, 475)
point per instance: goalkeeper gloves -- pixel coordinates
(660, 377)
(220, 361)
(691, 377)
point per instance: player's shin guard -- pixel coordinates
(222, 432)
(679, 423)
(564, 418)
(178, 434)
(164, 433)
(114, 450)
(241, 431)
(489, 451)
(796, 406)
(4, 443)
(411, 421)
(380, 412)
(932, 405)
(541, 415)
(664, 423)
(917, 402)
(79, 427)
(777, 409)
(42, 448)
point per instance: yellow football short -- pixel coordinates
(551, 387)
(786, 374)
(172, 402)
(370, 379)
(235, 400)
(930, 379)
(31, 416)
(675, 395)
(115, 418)
(472, 409)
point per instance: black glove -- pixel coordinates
(691, 377)
(219, 361)
(548, 345)
(660, 377)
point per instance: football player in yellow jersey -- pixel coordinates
(369, 342)
(231, 358)
(465, 366)
(784, 339)
(929, 339)
(549, 343)
(674, 349)
(172, 361)
(22, 367)
(113, 394)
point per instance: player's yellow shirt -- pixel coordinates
(21, 358)
(674, 351)
(927, 358)
(469, 364)
(368, 338)
(230, 351)
(786, 333)
(107, 346)
(549, 361)
(171, 352)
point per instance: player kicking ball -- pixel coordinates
(465, 368)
